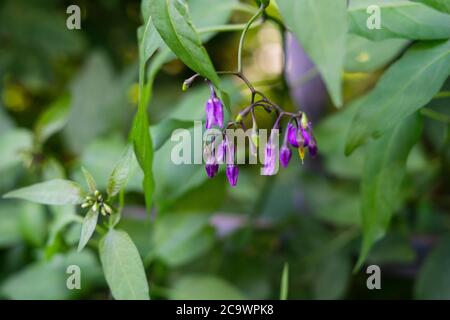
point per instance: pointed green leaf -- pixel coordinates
(88, 228)
(123, 267)
(53, 119)
(383, 173)
(407, 85)
(53, 192)
(321, 27)
(89, 180)
(121, 172)
(399, 19)
(441, 5)
(172, 20)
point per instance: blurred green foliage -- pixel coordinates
(68, 98)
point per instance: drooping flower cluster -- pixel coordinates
(298, 134)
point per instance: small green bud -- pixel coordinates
(96, 193)
(304, 121)
(107, 208)
(185, 86)
(85, 205)
(95, 207)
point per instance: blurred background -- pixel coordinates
(67, 99)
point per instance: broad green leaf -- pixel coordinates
(33, 223)
(407, 85)
(332, 277)
(121, 172)
(13, 145)
(179, 238)
(88, 228)
(321, 28)
(99, 100)
(172, 20)
(53, 119)
(48, 280)
(10, 233)
(366, 56)
(441, 5)
(383, 173)
(433, 281)
(101, 156)
(162, 131)
(53, 192)
(284, 287)
(399, 19)
(204, 287)
(90, 181)
(123, 267)
(63, 216)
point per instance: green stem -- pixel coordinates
(227, 27)
(244, 32)
(435, 115)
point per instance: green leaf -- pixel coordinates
(53, 119)
(367, 56)
(33, 223)
(284, 287)
(47, 280)
(321, 28)
(53, 192)
(88, 228)
(204, 287)
(172, 20)
(441, 5)
(101, 155)
(332, 277)
(433, 281)
(407, 85)
(123, 267)
(10, 233)
(383, 173)
(162, 131)
(121, 172)
(13, 145)
(90, 181)
(400, 19)
(180, 238)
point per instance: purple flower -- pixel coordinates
(292, 135)
(269, 168)
(211, 164)
(212, 169)
(232, 170)
(285, 155)
(232, 174)
(214, 111)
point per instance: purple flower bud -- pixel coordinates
(285, 155)
(232, 172)
(292, 135)
(270, 159)
(212, 169)
(211, 164)
(214, 111)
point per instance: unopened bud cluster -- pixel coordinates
(97, 203)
